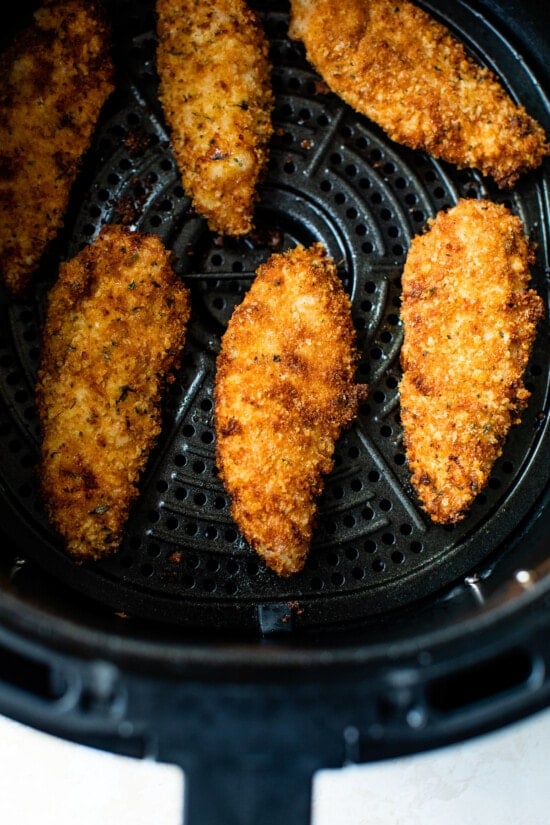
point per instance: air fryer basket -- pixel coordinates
(366, 652)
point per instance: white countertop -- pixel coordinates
(498, 779)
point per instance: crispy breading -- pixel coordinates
(469, 322)
(54, 79)
(113, 336)
(215, 89)
(284, 391)
(404, 70)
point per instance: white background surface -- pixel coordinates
(499, 779)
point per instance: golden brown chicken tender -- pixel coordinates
(114, 333)
(215, 90)
(395, 64)
(469, 322)
(284, 391)
(54, 79)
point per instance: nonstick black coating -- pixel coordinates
(335, 177)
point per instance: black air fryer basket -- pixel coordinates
(399, 635)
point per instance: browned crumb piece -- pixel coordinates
(215, 89)
(284, 391)
(54, 79)
(114, 332)
(394, 63)
(470, 322)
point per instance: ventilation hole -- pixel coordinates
(199, 499)
(385, 431)
(374, 476)
(162, 486)
(397, 557)
(378, 565)
(405, 529)
(187, 581)
(356, 485)
(126, 562)
(370, 546)
(207, 437)
(232, 567)
(252, 568)
(507, 467)
(399, 459)
(388, 539)
(188, 431)
(230, 535)
(367, 513)
(146, 570)
(358, 573)
(416, 546)
(352, 553)
(206, 404)
(172, 523)
(153, 550)
(153, 516)
(180, 493)
(316, 583)
(385, 505)
(180, 460)
(219, 503)
(337, 579)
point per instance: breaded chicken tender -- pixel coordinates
(114, 333)
(54, 80)
(469, 322)
(215, 89)
(395, 64)
(284, 391)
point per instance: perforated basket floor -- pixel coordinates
(334, 177)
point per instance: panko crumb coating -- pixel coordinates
(284, 391)
(469, 322)
(215, 90)
(54, 80)
(113, 336)
(394, 63)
